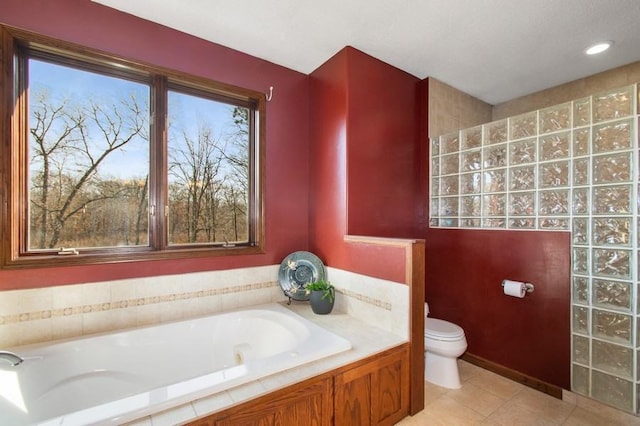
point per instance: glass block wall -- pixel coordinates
(570, 167)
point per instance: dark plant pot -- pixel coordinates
(318, 304)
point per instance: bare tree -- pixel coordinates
(73, 142)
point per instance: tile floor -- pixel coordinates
(489, 399)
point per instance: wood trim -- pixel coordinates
(514, 375)
(415, 279)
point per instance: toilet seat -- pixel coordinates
(442, 330)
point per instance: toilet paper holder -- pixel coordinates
(528, 287)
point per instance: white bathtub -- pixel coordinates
(117, 377)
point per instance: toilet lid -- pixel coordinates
(443, 330)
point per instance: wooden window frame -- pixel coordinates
(13, 153)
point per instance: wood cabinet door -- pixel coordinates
(376, 393)
(308, 403)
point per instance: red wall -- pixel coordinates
(98, 27)
(464, 270)
(383, 155)
(364, 162)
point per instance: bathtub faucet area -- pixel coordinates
(11, 357)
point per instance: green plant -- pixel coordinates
(327, 289)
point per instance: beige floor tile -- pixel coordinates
(548, 409)
(582, 417)
(432, 392)
(476, 398)
(603, 410)
(446, 411)
(497, 385)
(467, 370)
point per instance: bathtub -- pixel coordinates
(117, 377)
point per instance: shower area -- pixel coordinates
(571, 167)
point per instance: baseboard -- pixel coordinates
(516, 376)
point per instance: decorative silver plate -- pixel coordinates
(297, 270)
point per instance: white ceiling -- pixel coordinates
(495, 50)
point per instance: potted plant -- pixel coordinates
(322, 296)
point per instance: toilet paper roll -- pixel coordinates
(514, 288)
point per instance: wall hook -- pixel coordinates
(270, 94)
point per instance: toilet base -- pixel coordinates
(441, 371)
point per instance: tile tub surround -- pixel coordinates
(45, 314)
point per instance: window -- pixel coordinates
(110, 160)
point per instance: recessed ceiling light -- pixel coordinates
(598, 47)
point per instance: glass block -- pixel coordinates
(612, 390)
(581, 260)
(555, 118)
(580, 319)
(449, 164)
(472, 138)
(613, 104)
(494, 205)
(555, 223)
(435, 166)
(554, 147)
(612, 294)
(581, 290)
(495, 156)
(449, 206)
(495, 132)
(470, 206)
(580, 200)
(435, 187)
(580, 349)
(522, 178)
(612, 263)
(494, 180)
(553, 203)
(522, 204)
(434, 207)
(581, 142)
(447, 222)
(612, 231)
(470, 223)
(435, 146)
(522, 223)
(434, 222)
(612, 168)
(523, 152)
(582, 112)
(471, 160)
(450, 143)
(449, 185)
(553, 175)
(612, 200)
(612, 326)
(612, 136)
(470, 183)
(612, 358)
(498, 222)
(580, 380)
(523, 125)
(581, 171)
(580, 231)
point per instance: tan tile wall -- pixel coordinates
(617, 77)
(451, 110)
(50, 313)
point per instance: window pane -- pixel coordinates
(89, 159)
(208, 145)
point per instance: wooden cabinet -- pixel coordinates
(374, 391)
(306, 403)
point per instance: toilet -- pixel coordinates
(444, 342)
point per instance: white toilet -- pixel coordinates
(444, 342)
